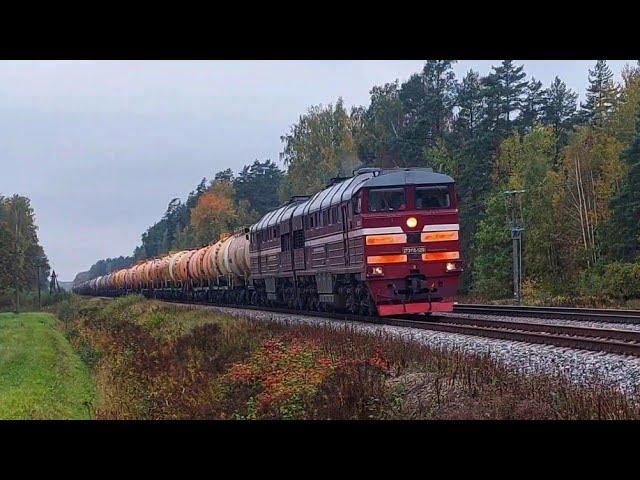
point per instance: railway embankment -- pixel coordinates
(41, 377)
(153, 360)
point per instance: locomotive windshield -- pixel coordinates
(386, 200)
(432, 197)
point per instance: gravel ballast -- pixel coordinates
(580, 366)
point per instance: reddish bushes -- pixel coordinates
(156, 361)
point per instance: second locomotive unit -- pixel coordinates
(383, 242)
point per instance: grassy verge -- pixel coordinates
(41, 377)
(158, 361)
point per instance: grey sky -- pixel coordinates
(101, 147)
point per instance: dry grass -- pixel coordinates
(157, 361)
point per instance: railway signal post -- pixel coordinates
(516, 228)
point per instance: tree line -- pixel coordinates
(20, 251)
(578, 164)
(214, 207)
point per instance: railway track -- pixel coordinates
(568, 313)
(617, 341)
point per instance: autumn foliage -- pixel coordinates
(213, 215)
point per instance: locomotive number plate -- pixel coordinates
(410, 250)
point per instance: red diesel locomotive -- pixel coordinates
(382, 242)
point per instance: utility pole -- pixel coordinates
(516, 228)
(53, 285)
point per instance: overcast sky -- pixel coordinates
(101, 147)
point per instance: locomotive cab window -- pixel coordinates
(432, 197)
(387, 200)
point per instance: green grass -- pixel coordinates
(40, 375)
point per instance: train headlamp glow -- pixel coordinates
(454, 267)
(412, 222)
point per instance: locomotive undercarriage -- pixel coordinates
(334, 293)
(346, 293)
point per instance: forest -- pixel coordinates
(578, 163)
(20, 251)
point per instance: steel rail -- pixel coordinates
(588, 314)
(622, 342)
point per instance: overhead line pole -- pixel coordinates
(516, 228)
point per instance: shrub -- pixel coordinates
(619, 280)
(157, 361)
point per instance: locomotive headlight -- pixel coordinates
(454, 266)
(412, 222)
(377, 271)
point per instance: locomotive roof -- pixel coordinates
(343, 191)
(273, 217)
(406, 176)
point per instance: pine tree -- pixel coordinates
(382, 127)
(602, 95)
(626, 206)
(503, 89)
(427, 101)
(470, 104)
(559, 111)
(531, 106)
(258, 185)
(470, 147)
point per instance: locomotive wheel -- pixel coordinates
(371, 309)
(352, 300)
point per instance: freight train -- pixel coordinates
(382, 242)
